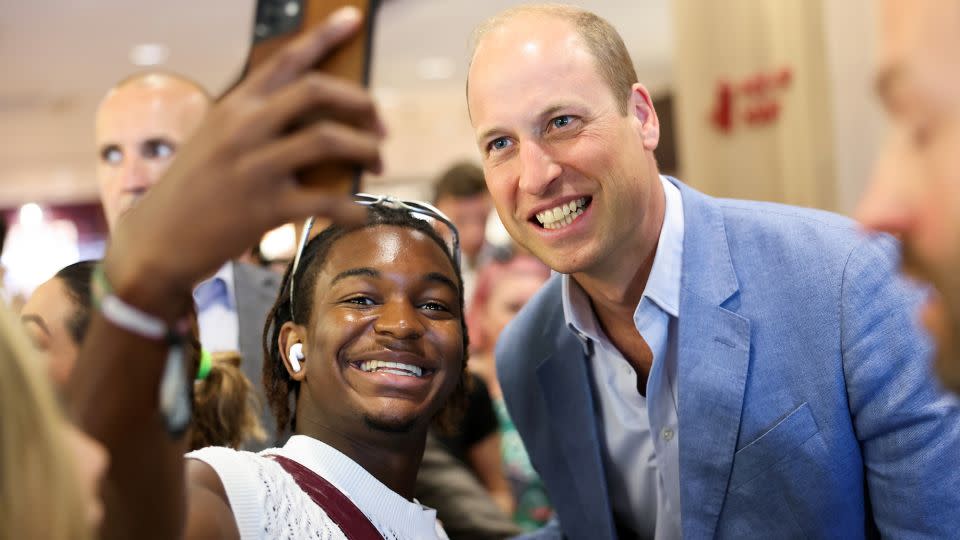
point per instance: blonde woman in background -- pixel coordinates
(49, 471)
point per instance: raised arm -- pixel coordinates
(228, 185)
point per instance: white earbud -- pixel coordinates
(295, 356)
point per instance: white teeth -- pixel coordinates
(396, 368)
(563, 215)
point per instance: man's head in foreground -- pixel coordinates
(915, 190)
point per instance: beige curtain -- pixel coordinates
(789, 159)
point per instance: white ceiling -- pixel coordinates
(59, 56)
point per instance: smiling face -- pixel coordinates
(46, 317)
(915, 191)
(384, 347)
(572, 176)
(139, 127)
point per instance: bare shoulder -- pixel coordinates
(209, 515)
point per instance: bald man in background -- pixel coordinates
(140, 123)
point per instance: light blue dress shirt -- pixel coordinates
(641, 434)
(217, 311)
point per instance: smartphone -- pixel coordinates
(279, 21)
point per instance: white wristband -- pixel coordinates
(132, 319)
(128, 317)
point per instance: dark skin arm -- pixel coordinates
(208, 515)
(230, 183)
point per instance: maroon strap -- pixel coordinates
(354, 524)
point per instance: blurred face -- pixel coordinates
(384, 347)
(139, 128)
(915, 191)
(572, 178)
(511, 292)
(45, 317)
(469, 214)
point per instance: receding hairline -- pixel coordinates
(603, 43)
(559, 11)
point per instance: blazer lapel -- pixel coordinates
(564, 380)
(713, 358)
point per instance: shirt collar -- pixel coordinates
(225, 274)
(663, 285)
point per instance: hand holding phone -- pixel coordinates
(280, 21)
(234, 179)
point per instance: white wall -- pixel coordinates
(858, 123)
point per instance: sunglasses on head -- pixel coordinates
(417, 209)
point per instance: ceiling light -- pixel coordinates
(280, 243)
(31, 214)
(149, 54)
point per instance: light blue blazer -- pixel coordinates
(806, 404)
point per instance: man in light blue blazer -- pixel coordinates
(698, 367)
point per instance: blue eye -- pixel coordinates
(561, 121)
(498, 144)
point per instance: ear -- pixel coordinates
(641, 106)
(291, 333)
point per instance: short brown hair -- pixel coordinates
(601, 38)
(460, 181)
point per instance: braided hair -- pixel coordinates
(278, 384)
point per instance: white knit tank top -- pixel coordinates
(268, 504)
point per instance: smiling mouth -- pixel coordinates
(392, 368)
(563, 215)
